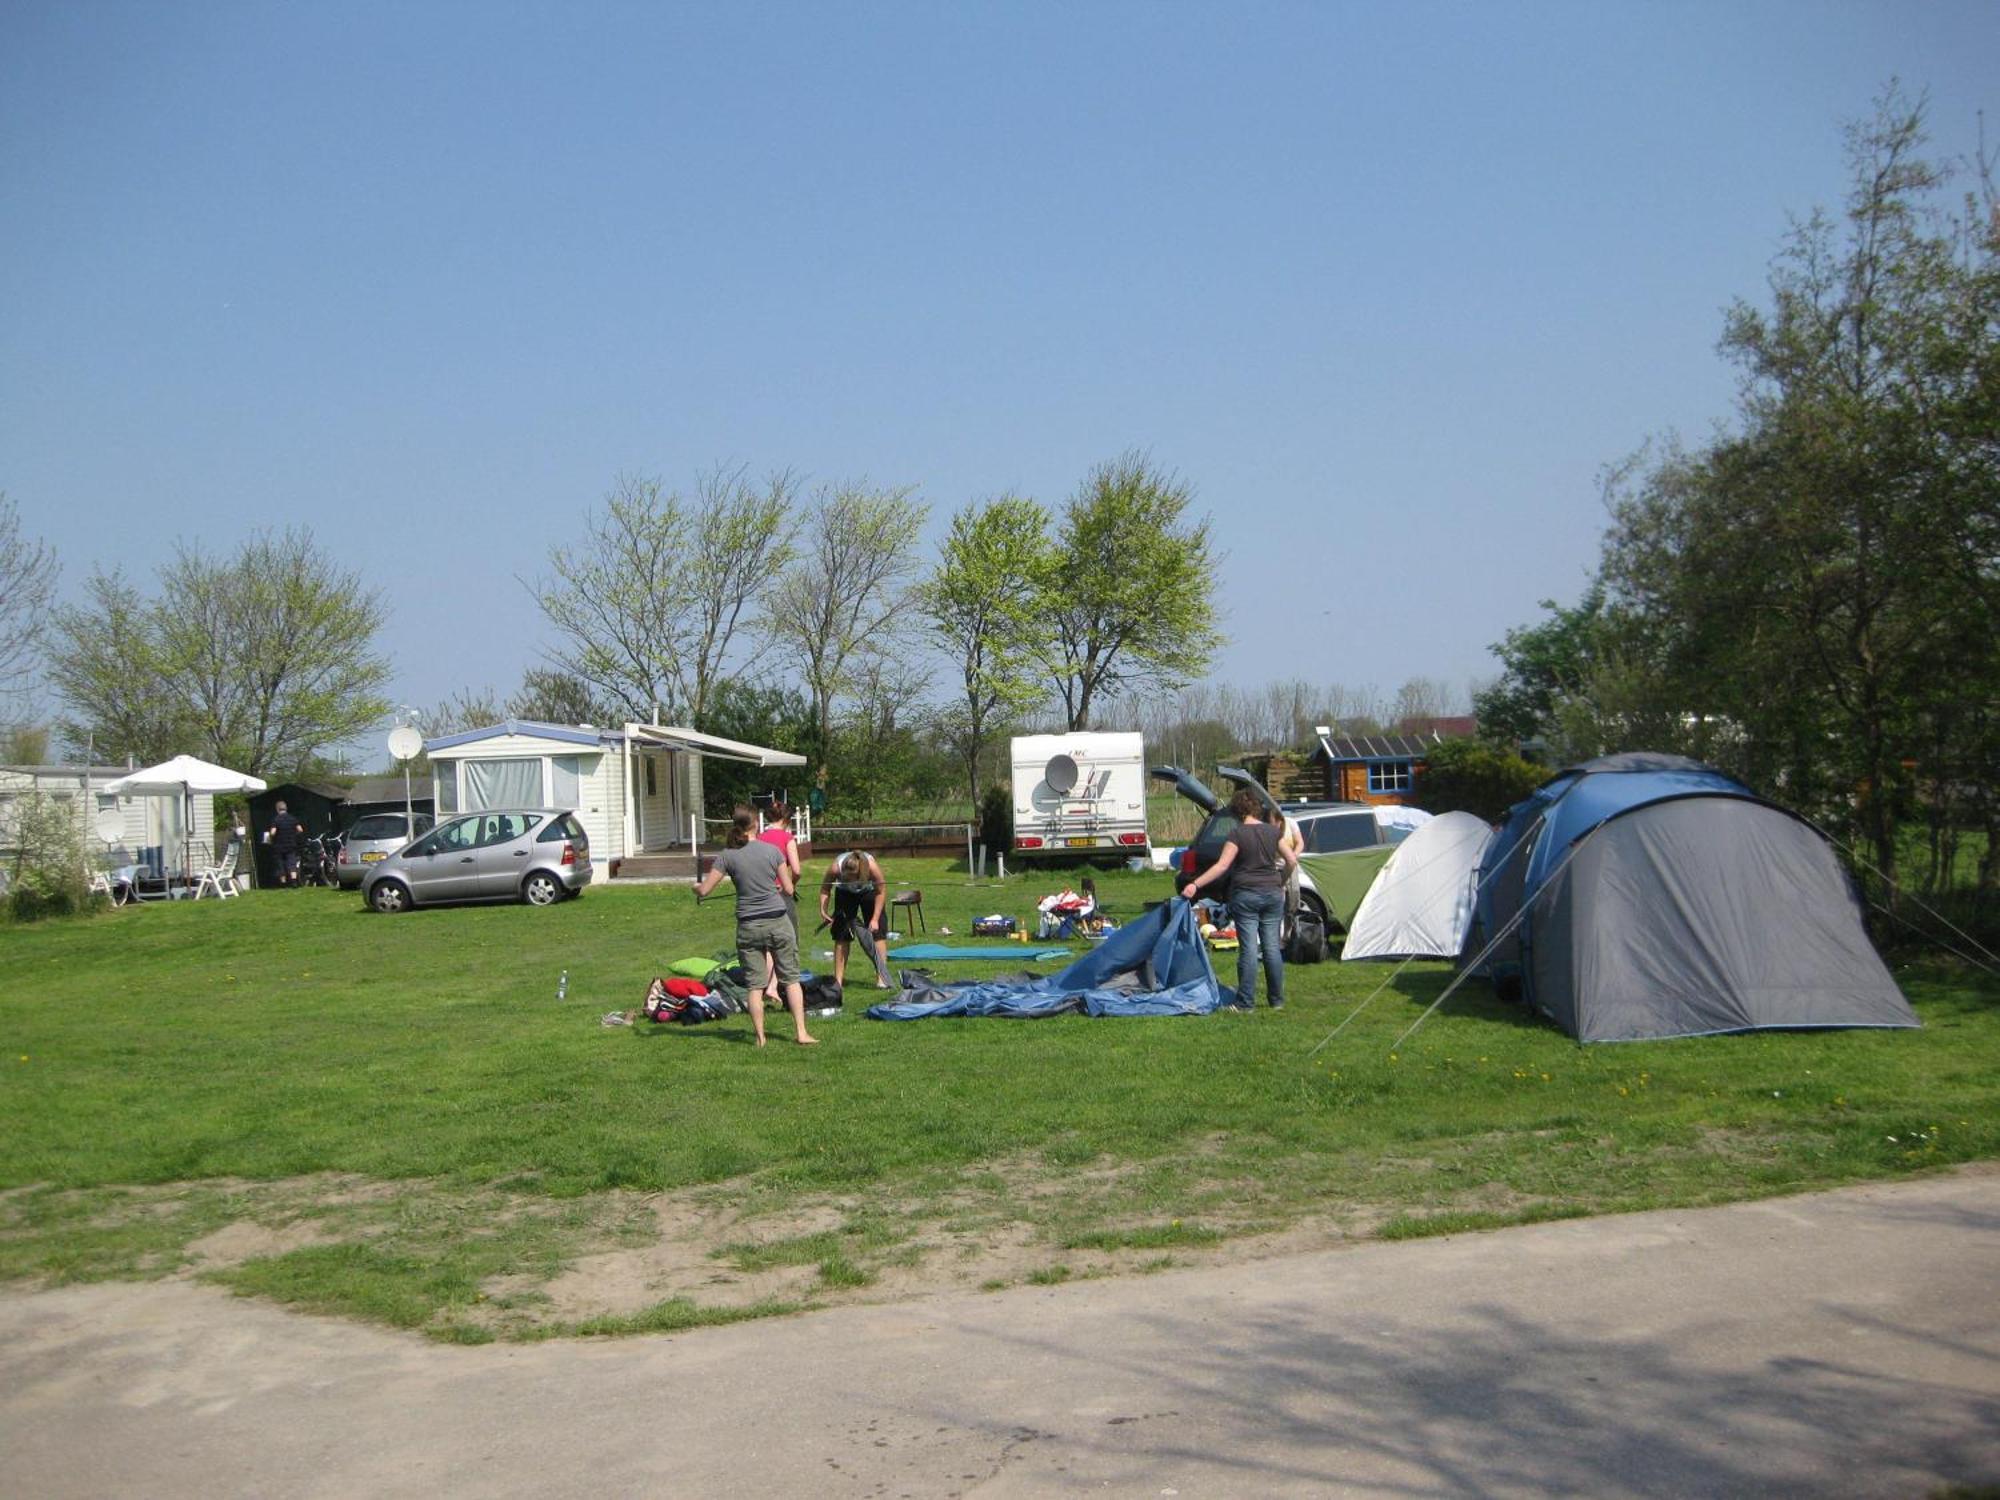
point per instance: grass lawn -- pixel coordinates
(396, 1118)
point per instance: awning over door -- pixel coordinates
(669, 738)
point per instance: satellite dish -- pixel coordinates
(110, 825)
(405, 743)
(1060, 774)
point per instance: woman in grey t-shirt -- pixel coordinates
(763, 920)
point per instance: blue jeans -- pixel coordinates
(1259, 918)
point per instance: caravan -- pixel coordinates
(1079, 792)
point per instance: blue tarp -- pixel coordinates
(1155, 965)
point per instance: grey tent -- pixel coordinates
(1652, 896)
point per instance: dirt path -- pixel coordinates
(1844, 1343)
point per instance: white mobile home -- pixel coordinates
(637, 790)
(145, 830)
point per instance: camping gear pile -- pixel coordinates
(993, 925)
(1067, 912)
(695, 990)
(1155, 965)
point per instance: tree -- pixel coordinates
(1542, 666)
(649, 606)
(837, 609)
(1133, 612)
(262, 662)
(28, 573)
(554, 697)
(982, 608)
(1825, 574)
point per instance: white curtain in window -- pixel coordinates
(565, 780)
(501, 783)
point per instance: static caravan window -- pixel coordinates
(447, 785)
(501, 783)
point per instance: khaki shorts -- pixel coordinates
(773, 934)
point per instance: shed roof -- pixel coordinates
(1376, 746)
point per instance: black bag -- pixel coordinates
(1308, 940)
(822, 995)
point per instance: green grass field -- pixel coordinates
(395, 1118)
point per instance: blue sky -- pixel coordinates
(1387, 284)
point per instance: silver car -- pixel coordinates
(370, 840)
(538, 855)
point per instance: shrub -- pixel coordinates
(1466, 776)
(47, 876)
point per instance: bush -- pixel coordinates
(46, 877)
(1466, 776)
(996, 820)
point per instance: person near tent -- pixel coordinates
(1263, 865)
(764, 940)
(285, 835)
(857, 892)
(778, 834)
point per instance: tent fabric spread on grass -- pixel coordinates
(1155, 965)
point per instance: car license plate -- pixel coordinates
(1081, 843)
(372, 855)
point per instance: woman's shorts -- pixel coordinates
(760, 935)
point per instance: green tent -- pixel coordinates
(1343, 878)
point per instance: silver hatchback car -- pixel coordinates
(371, 839)
(537, 855)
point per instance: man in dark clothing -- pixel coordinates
(285, 836)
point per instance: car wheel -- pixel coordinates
(390, 897)
(541, 889)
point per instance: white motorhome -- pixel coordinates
(1078, 792)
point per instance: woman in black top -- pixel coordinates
(1262, 860)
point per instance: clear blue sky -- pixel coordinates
(1388, 284)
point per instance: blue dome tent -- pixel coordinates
(1647, 895)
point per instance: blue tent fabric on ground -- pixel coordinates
(1156, 965)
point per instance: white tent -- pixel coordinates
(1421, 903)
(184, 777)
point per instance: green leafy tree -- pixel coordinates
(264, 661)
(1824, 576)
(1134, 612)
(649, 606)
(982, 608)
(1543, 666)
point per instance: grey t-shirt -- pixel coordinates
(754, 869)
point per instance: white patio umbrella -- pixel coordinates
(184, 776)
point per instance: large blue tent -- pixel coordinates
(1155, 965)
(1647, 895)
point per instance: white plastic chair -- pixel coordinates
(220, 877)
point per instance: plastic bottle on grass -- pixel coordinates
(562, 986)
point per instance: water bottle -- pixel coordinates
(562, 985)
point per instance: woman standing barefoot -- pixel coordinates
(763, 930)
